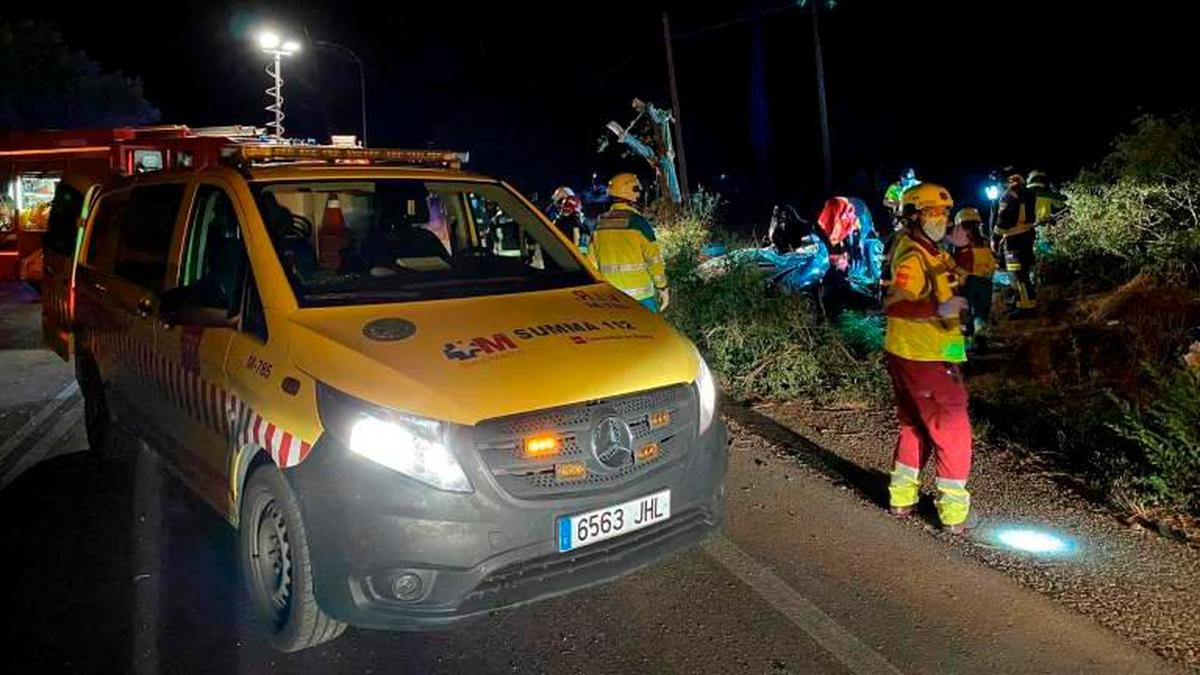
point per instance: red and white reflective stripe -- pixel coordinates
(219, 410)
(286, 449)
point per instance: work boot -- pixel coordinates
(901, 511)
(964, 527)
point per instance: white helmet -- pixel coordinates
(562, 193)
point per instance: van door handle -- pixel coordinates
(143, 308)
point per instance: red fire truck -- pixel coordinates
(65, 170)
(32, 165)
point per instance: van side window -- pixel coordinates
(65, 210)
(102, 243)
(214, 261)
(145, 234)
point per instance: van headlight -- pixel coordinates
(707, 390)
(410, 445)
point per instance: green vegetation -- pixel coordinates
(1133, 231)
(760, 344)
(1164, 440)
(1138, 211)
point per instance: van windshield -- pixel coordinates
(358, 241)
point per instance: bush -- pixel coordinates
(1119, 228)
(1139, 210)
(1165, 439)
(1130, 453)
(685, 228)
(762, 344)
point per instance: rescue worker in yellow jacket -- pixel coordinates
(976, 265)
(1047, 202)
(625, 249)
(924, 346)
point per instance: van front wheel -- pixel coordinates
(276, 566)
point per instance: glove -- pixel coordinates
(664, 298)
(952, 307)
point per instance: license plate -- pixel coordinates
(589, 528)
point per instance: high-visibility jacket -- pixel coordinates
(626, 252)
(921, 279)
(975, 261)
(1046, 202)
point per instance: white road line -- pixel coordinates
(63, 426)
(34, 422)
(849, 650)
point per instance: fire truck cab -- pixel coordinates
(49, 178)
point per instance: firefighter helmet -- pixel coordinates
(1037, 179)
(625, 186)
(562, 194)
(926, 196)
(967, 214)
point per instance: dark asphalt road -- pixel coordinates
(116, 568)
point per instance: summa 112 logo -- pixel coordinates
(465, 350)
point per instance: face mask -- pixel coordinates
(935, 227)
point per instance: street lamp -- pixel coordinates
(362, 79)
(271, 43)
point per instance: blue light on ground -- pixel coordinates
(1037, 541)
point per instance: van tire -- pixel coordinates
(97, 416)
(277, 567)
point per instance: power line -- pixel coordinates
(698, 31)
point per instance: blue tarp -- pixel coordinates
(791, 272)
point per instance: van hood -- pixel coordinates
(471, 359)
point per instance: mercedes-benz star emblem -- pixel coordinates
(612, 442)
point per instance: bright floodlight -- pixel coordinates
(993, 192)
(290, 47)
(268, 40)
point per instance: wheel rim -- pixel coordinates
(271, 561)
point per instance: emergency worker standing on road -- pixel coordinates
(625, 249)
(924, 345)
(1014, 236)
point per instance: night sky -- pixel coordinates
(949, 88)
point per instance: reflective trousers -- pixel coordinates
(931, 406)
(1019, 260)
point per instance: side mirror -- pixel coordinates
(182, 307)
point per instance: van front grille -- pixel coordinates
(501, 442)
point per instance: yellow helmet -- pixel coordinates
(967, 214)
(625, 186)
(926, 196)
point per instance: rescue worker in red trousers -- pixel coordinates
(1014, 236)
(924, 349)
(625, 249)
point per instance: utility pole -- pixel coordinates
(683, 176)
(820, 64)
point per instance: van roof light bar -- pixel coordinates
(268, 153)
